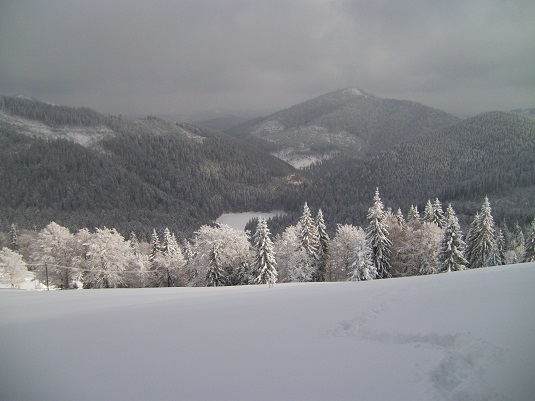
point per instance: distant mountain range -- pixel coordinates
(81, 168)
(348, 121)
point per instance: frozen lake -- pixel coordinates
(239, 220)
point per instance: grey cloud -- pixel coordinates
(187, 56)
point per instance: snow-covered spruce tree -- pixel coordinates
(12, 268)
(470, 239)
(517, 246)
(429, 213)
(452, 246)
(215, 276)
(308, 242)
(377, 235)
(530, 244)
(499, 251)
(134, 243)
(155, 245)
(438, 214)
(401, 220)
(323, 248)
(413, 217)
(308, 233)
(362, 267)
(483, 250)
(264, 269)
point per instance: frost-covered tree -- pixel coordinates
(155, 245)
(215, 276)
(401, 220)
(108, 256)
(303, 268)
(470, 239)
(516, 249)
(55, 257)
(438, 214)
(264, 267)
(134, 243)
(362, 267)
(308, 233)
(168, 264)
(530, 244)
(289, 255)
(323, 248)
(233, 251)
(377, 235)
(429, 213)
(500, 248)
(342, 251)
(140, 264)
(12, 268)
(413, 217)
(483, 244)
(415, 250)
(452, 246)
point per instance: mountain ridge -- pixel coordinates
(342, 121)
(81, 168)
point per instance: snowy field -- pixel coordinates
(455, 336)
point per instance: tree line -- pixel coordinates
(390, 245)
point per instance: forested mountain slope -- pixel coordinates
(491, 154)
(83, 169)
(345, 121)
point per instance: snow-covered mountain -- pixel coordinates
(491, 154)
(345, 121)
(82, 168)
(454, 336)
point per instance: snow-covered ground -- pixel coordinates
(453, 336)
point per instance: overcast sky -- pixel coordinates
(156, 57)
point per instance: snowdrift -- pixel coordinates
(454, 336)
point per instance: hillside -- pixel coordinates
(83, 169)
(491, 154)
(453, 336)
(345, 121)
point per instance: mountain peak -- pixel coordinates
(353, 92)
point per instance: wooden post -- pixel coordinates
(46, 272)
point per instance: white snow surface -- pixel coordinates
(454, 336)
(85, 136)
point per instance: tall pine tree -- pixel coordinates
(452, 246)
(377, 235)
(323, 247)
(155, 245)
(308, 240)
(438, 214)
(264, 270)
(429, 214)
(483, 243)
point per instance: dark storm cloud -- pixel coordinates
(185, 56)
